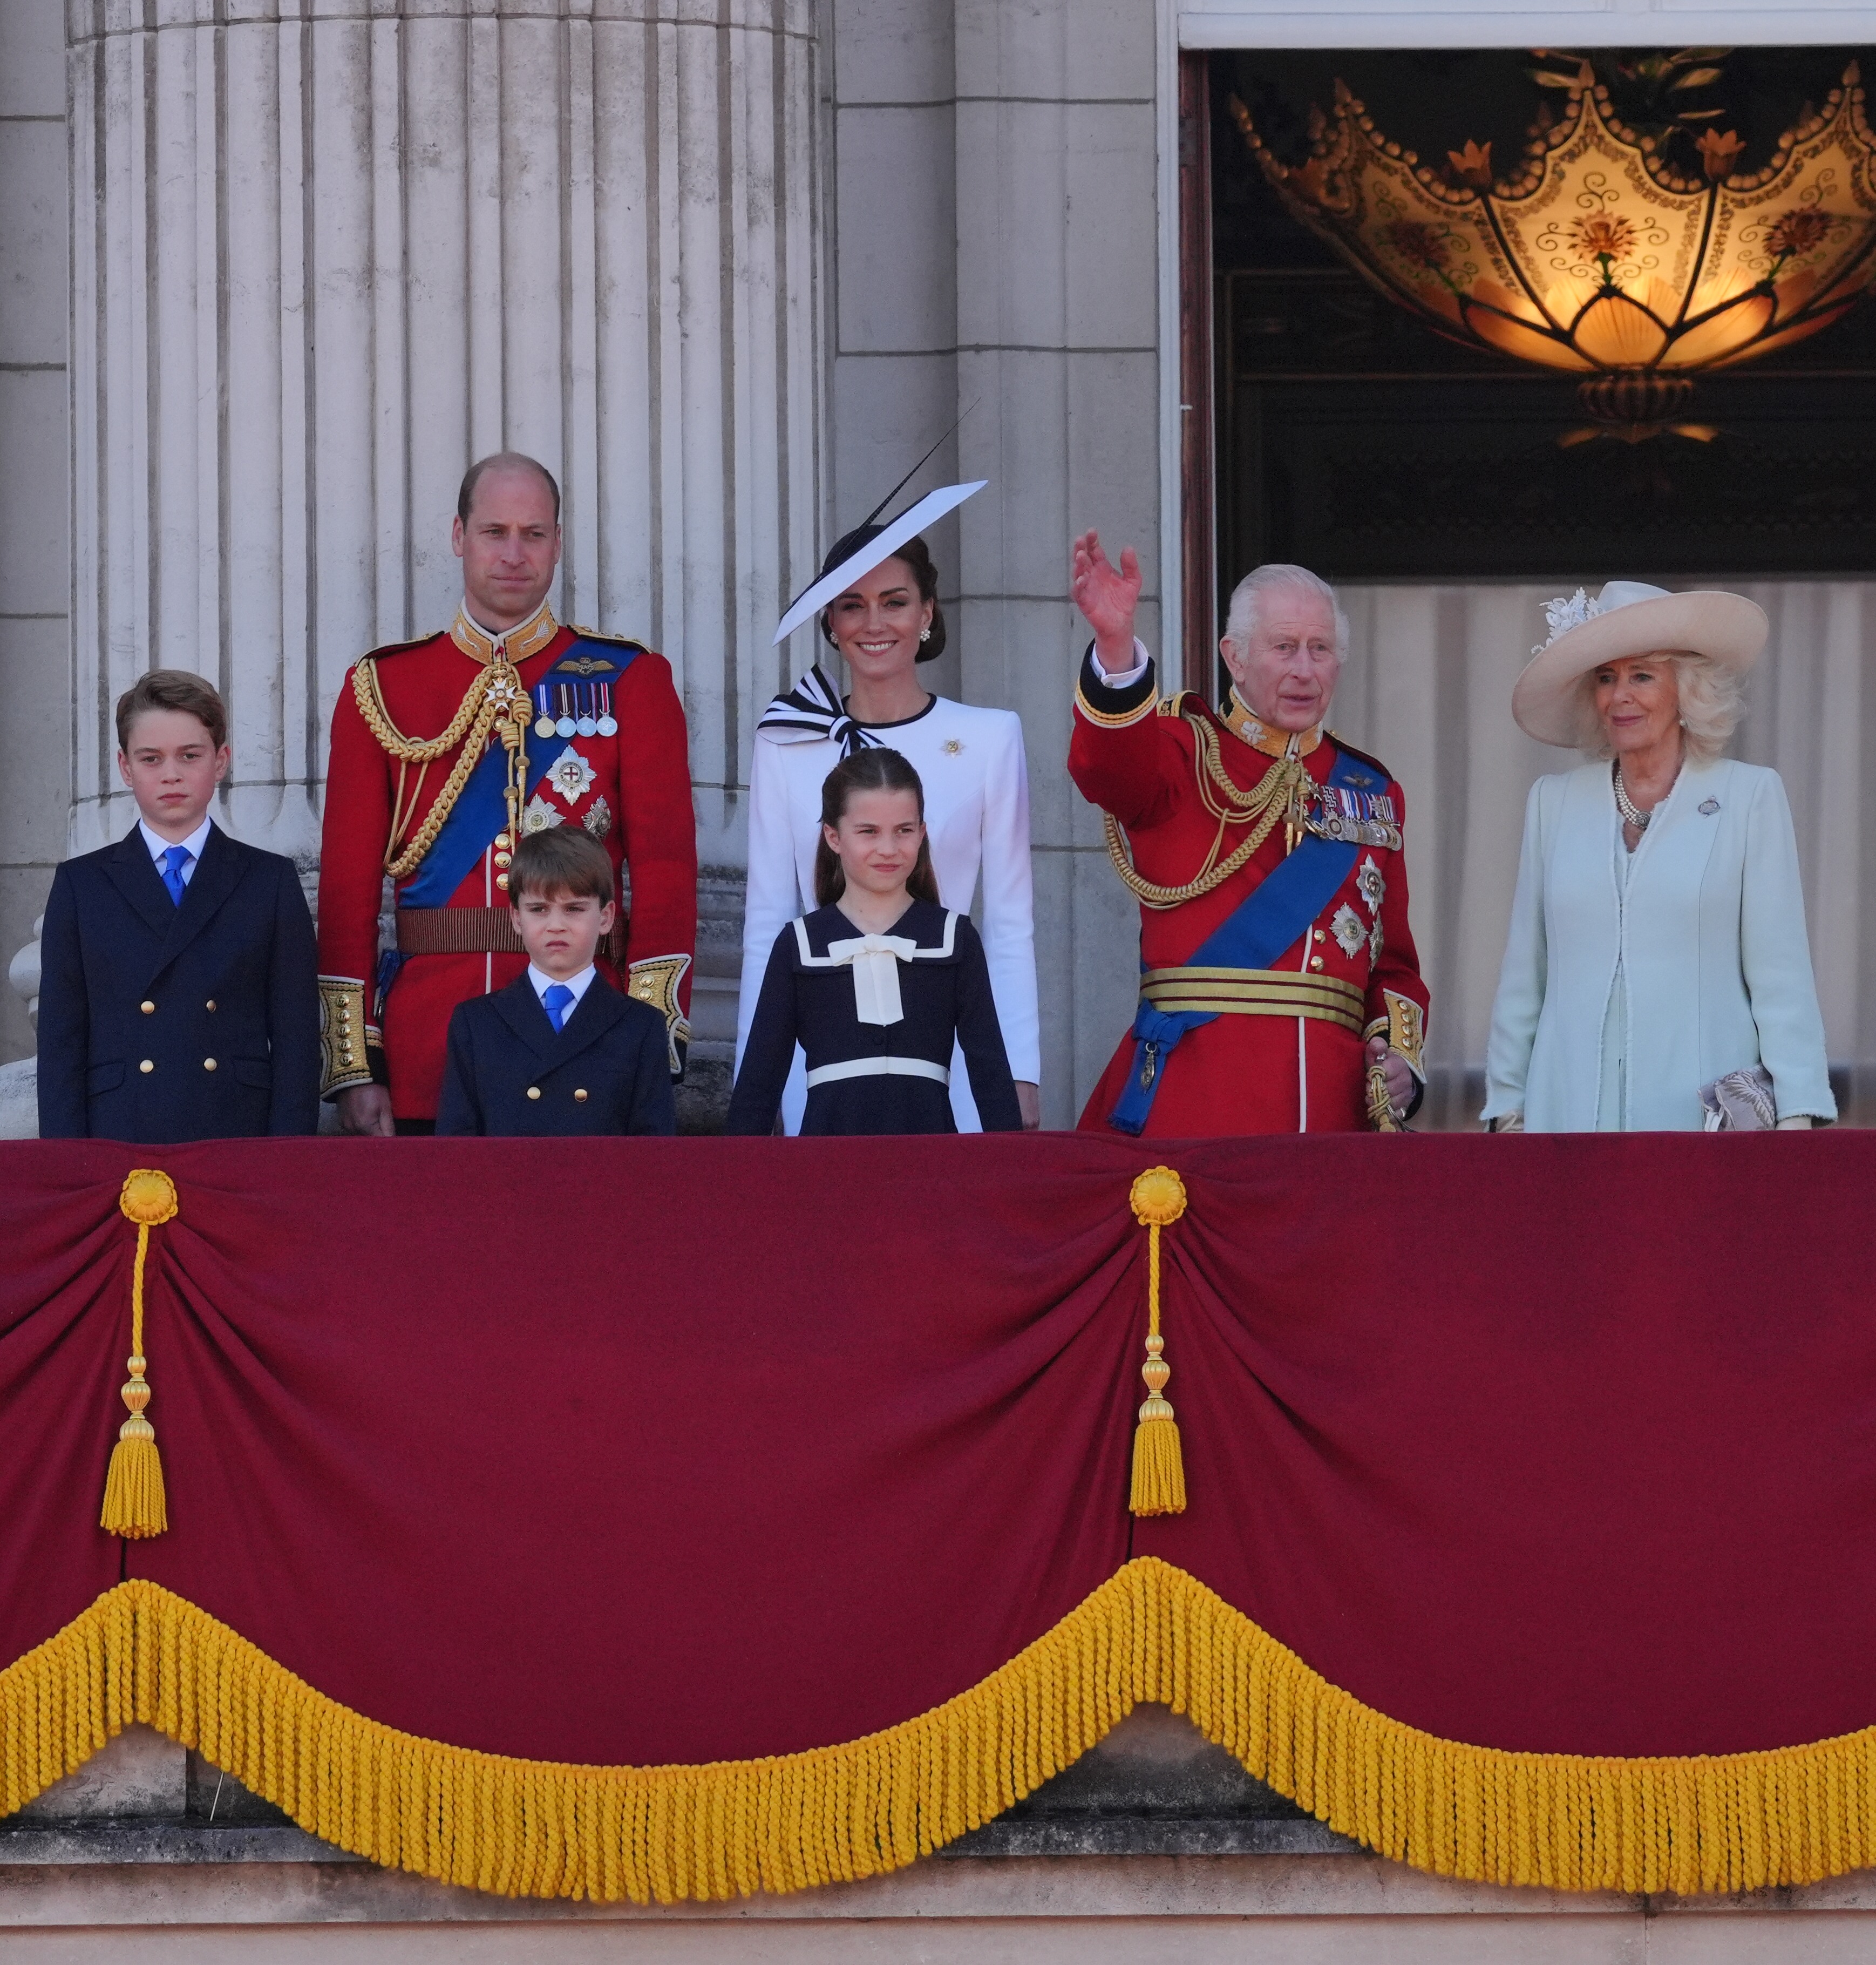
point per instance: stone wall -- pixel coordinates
(995, 240)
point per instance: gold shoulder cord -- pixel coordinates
(495, 702)
(1278, 792)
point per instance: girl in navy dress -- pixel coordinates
(878, 983)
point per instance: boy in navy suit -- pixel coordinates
(560, 1050)
(178, 994)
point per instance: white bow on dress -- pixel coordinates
(875, 960)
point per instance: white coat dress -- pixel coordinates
(972, 764)
(1704, 939)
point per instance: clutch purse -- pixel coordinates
(1742, 1102)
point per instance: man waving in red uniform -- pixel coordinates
(1280, 991)
(445, 750)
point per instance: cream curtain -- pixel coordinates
(1428, 688)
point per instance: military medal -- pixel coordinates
(574, 709)
(572, 777)
(1359, 819)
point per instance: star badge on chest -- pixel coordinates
(1346, 927)
(1371, 884)
(571, 775)
(537, 815)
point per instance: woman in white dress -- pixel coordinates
(883, 619)
(1657, 976)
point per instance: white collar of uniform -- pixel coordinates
(578, 984)
(158, 846)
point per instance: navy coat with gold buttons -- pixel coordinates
(160, 1022)
(606, 1069)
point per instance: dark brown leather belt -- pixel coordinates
(476, 932)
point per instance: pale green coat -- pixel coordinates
(1708, 943)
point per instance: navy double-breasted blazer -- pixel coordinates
(606, 1069)
(158, 1022)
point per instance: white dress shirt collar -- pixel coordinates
(578, 984)
(158, 846)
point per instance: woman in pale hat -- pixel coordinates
(1657, 976)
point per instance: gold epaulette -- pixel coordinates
(618, 641)
(398, 648)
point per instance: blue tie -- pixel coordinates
(174, 859)
(554, 999)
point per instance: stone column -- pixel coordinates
(325, 256)
(35, 582)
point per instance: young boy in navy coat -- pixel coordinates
(178, 993)
(560, 1050)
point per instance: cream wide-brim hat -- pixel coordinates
(1627, 617)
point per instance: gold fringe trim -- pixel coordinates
(1731, 1822)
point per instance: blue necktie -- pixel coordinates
(554, 999)
(174, 859)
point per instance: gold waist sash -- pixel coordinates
(1256, 992)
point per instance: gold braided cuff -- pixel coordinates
(346, 1039)
(656, 981)
(1138, 700)
(1404, 1027)
(1109, 719)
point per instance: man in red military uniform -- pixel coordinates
(1280, 990)
(445, 750)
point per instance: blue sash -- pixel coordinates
(1270, 919)
(481, 808)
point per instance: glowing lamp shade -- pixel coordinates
(1594, 256)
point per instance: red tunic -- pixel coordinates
(638, 805)
(1239, 1073)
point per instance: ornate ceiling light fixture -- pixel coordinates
(1596, 254)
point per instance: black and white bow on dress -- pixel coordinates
(812, 710)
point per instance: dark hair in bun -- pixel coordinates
(917, 555)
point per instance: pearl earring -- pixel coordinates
(924, 634)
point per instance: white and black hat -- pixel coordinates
(867, 546)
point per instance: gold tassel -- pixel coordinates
(1381, 1113)
(135, 1505)
(1159, 1468)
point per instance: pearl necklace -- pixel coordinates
(1625, 805)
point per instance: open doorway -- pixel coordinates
(1448, 486)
